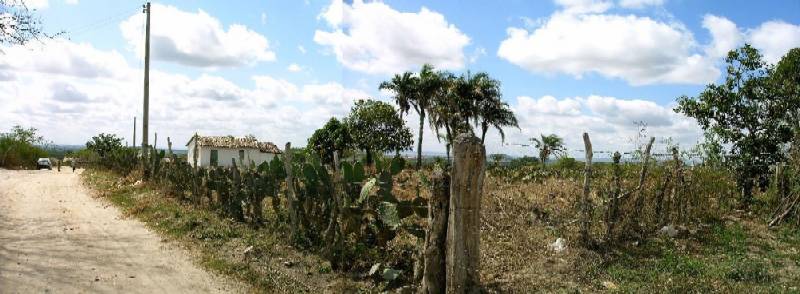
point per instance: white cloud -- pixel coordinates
(294, 68)
(637, 49)
(301, 49)
(584, 6)
(774, 39)
(64, 57)
(263, 18)
(611, 122)
(197, 39)
(375, 38)
(476, 54)
(71, 2)
(639, 4)
(72, 101)
(724, 34)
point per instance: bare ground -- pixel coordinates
(54, 237)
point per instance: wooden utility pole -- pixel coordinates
(146, 107)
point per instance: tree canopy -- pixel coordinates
(334, 136)
(104, 144)
(753, 110)
(376, 126)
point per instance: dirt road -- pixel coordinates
(54, 237)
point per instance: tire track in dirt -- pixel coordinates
(54, 237)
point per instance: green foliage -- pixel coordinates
(104, 144)
(334, 136)
(749, 112)
(547, 145)
(18, 148)
(376, 126)
(566, 163)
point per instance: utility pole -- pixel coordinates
(146, 80)
(134, 132)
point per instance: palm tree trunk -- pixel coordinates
(484, 128)
(419, 141)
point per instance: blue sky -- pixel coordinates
(279, 69)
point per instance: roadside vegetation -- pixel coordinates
(327, 217)
(20, 148)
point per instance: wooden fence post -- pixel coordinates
(679, 205)
(587, 180)
(613, 210)
(639, 205)
(463, 227)
(434, 272)
(290, 193)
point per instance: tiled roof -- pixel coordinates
(235, 143)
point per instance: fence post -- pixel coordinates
(434, 272)
(613, 210)
(640, 194)
(290, 193)
(677, 204)
(587, 180)
(463, 227)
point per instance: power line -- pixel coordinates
(103, 22)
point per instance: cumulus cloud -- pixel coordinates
(69, 105)
(375, 38)
(64, 57)
(584, 6)
(294, 68)
(724, 34)
(637, 49)
(774, 39)
(612, 122)
(639, 4)
(196, 39)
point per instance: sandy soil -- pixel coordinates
(54, 237)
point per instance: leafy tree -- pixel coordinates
(334, 136)
(747, 111)
(104, 144)
(376, 126)
(417, 92)
(19, 24)
(547, 145)
(453, 108)
(18, 148)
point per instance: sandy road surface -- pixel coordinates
(55, 238)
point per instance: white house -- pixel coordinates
(224, 150)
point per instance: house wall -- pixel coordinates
(224, 156)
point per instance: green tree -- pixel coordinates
(376, 126)
(334, 136)
(19, 147)
(490, 110)
(104, 144)
(547, 145)
(415, 92)
(747, 111)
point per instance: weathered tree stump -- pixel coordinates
(463, 229)
(434, 271)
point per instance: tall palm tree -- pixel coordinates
(488, 108)
(550, 144)
(415, 91)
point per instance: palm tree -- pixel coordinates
(550, 144)
(489, 109)
(417, 92)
